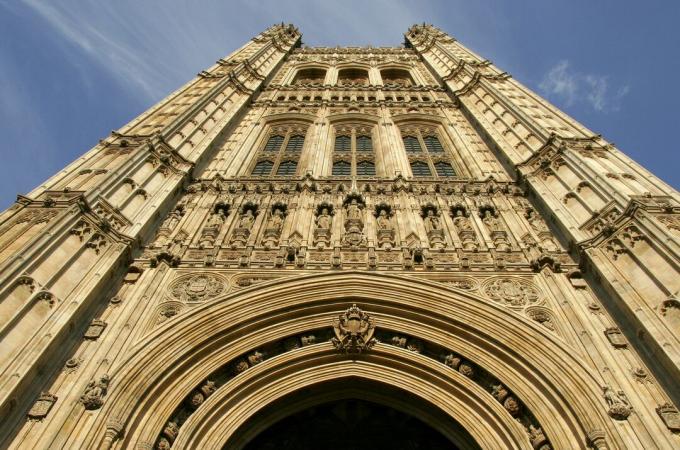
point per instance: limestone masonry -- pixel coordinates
(313, 247)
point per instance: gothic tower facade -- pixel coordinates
(397, 245)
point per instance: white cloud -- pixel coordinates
(570, 86)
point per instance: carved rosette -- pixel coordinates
(511, 291)
(197, 287)
(354, 331)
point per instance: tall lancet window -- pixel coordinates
(353, 153)
(281, 152)
(427, 155)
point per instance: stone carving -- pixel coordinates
(198, 396)
(197, 288)
(42, 406)
(433, 226)
(542, 316)
(240, 235)
(384, 228)
(615, 337)
(509, 402)
(497, 231)
(511, 291)
(354, 331)
(619, 408)
(354, 222)
(537, 438)
(212, 228)
(459, 364)
(95, 329)
(466, 233)
(670, 416)
(536, 221)
(324, 221)
(93, 397)
(272, 232)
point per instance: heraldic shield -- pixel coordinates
(353, 331)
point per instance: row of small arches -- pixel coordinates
(354, 77)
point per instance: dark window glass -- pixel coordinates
(263, 168)
(343, 144)
(274, 144)
(287, 168)
(366, 169)
(342, 168)
(433, 145)
(295, 143)
(420, 169)
(444, 169)
(364, 144)
(412, 145)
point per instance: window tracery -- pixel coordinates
(427, 156)
(353, 77)
(281, 151)
(353, 151)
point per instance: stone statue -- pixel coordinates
(276, 220)
(247, 219)
(461, 222)
(323, 221)
(383, 221)
(431, 221)
(492, 222)
(619, 408)
(216, 220)
(93, 397)
(353, 211)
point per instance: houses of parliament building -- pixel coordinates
(344, 248)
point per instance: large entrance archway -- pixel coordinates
(351, 415)
(241, 341)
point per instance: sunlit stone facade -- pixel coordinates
(407, 235)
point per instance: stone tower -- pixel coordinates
(301, 240)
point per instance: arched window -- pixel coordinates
(396, 76)
(352, 77)
(366, 169)
(444, 169)
(433, 145)
(310, 76)
(342, 168)
(411, 144)
(420, 169)
(287, 168)
(343, 144)
(295, 143)
(263, 168)
(274, 143)
(364, 144)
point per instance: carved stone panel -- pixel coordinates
(197, 287)
(511, 291)
(42, 406)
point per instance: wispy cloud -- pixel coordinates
(571, 86)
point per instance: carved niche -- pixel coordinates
(433, 226)
(246, 220)
(272, 231)
(354, 222)
(497, 230)
(323, 222)
(213, 225)
(354, 331)
(384, 229)
(511, 291)
(466, 233)
(197, 287)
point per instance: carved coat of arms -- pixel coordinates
(354, 331)
(197, 288)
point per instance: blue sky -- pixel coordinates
(72, 71)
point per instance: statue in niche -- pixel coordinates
(461, 222)
(247, 219)
(324, 220)
(431, 221)
(536, 222)
(383, 221)
(212, 228)
(492, 222)
(354, 224)
(272, 231)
